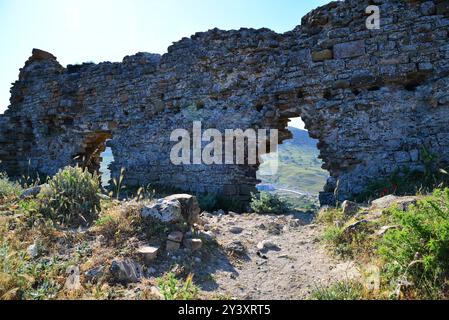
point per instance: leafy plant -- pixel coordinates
(24, 279)
(269, 203)
(73, 197)
(174, 289)
(8, 188)
(213, 201)
(330, 216)
(208, 201)
(418, 252)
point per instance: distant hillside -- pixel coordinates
(300, 168)
(300, 138)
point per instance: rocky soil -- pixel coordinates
(135, 244)
(269, 257)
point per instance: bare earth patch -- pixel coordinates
(297, 264)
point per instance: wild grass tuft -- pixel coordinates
(8, 188)
(344, 290)
(73, 197)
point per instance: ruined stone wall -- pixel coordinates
(373, 98)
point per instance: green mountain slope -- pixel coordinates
(299, 166)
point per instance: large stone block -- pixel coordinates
(349, 49)
(166, 211)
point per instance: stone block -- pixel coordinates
(193, 244)
(172, 246)
(350, 208)
(349, 49)
(322, 55)
(148, 253)
(176, 236)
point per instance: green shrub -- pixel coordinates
(213, 201)
(330, 216)
(345, 290)
(8, 188)
(418, 252)
(333, 234)
(208, 201)
(269, 203)
(174, 289)
(73, 197)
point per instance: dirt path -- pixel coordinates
(299, 265)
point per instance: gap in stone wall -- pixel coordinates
(300, 178)
(107, 158)
(95, 156)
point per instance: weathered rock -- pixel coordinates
(236, 248)
(322, 55)
(41, 55)
(165, 211)
(209, 235)
(356, 227)
(208, 227)
(382, 231)
(350, 208)
(148, 253)
(349, 49)
(33, 251)
(101, 240)
(405, 203)
(176, 236)
(172, 246)
(94, 274)
(73, 282)
(174, 241)
(236, 230)
(402, 203)
(384, 202)
(295, 223)
(190, 207)
(193, 244)
(126, 271)
(33, 192)
(267, 245)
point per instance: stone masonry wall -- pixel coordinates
(373, 99)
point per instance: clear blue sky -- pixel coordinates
(107, 30)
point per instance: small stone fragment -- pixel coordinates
(172, 246)
(93, 275)
(126, 271)
(148, 253)
(193, 244)
(350, 208)
(176, 236)
(72, 282)
(33, 251)
(236, 230)
(267, 245)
